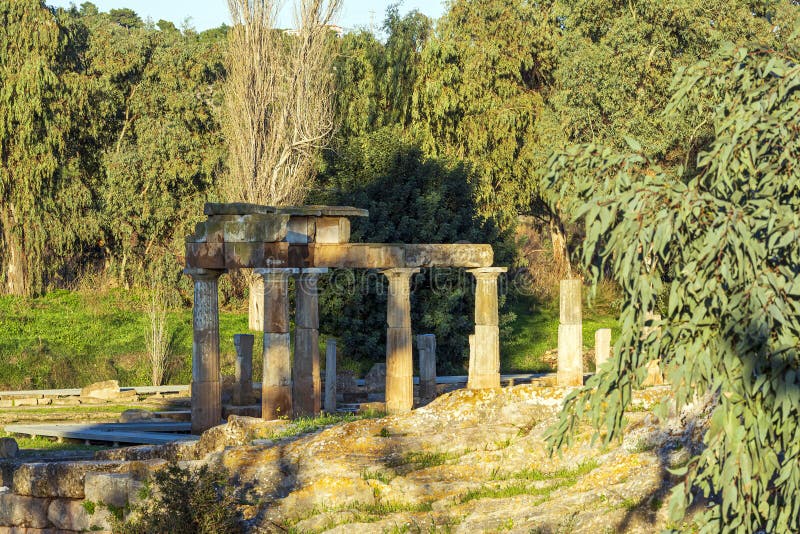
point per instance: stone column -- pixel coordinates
(484, 350)
(243, 389)
(602, 347)
(206, 393)
(654, 375)
(399, 364)
(330, 376)
(426, 346)
(276, 382)
(570, 335)
(306, 386)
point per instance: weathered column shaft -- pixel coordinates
(602, 347)
(426, 346)
(399, 363)
(276, 384)
(484, 354)
(206, 393)
(243, 389)
(330, 376)
(570, 334)
(654, 374)
(306, 386)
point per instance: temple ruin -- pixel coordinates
(305, 241)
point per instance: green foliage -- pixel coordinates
(479, 95)
(722, 241)
(185, 501)
(411, 199)
(44, 191)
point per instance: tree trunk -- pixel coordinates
(558, 236)
(15, 262)
(256, 309)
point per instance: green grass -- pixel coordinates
(40, 443)
(86, 409)
(534, 331)
(424, 460)
(73, 338)
(306, 425)
(563, 473)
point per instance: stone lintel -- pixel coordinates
(350, 255)
(276, 271)
(244, 208)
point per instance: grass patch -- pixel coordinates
(424, 460)
(513, 489)
(306, 425)
(378, 474)
(534, 331)
(85, 409)
(564, 473)
(44, 443)
(361, 512)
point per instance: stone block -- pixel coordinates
(26, 401)
(136, 415)
(23, 511)
(67, 401)
(300, 230)
(60, 479)
(332, 230)
(448, 255)
(71, 514)
(6, 403)
(44, 401)
(484, 358)
(570, 355)
(8, 448)
(108, 488)
(256, 228)
(205, 255)
(106, 390)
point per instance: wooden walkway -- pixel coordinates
(143, 433)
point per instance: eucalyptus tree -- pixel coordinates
(721, 239)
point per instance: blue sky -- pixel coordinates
(204, 14)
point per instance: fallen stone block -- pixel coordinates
(108, 389)
(26, 401)
(136, 415)
(44, 402)
(66, 401)
(73, 514)
(23, 511)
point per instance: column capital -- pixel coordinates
(487, 272)
(400, 272)
(275, 271)
(198, 273)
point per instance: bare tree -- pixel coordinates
(278, 104)
(279, 99)
(157, 337)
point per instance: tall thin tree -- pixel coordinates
(278, 102)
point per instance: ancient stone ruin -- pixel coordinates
(279, 242)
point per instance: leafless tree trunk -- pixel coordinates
(278, 102)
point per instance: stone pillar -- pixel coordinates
(276, 382)
(654, 375)
(570, 335)
(330, 376)
(426, 346)
(484, 353)
(306, 386)
(243, 389)
(399, 364)
(602, 347)
(206, 393)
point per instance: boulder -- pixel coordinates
(106, 390)
(8, 448)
